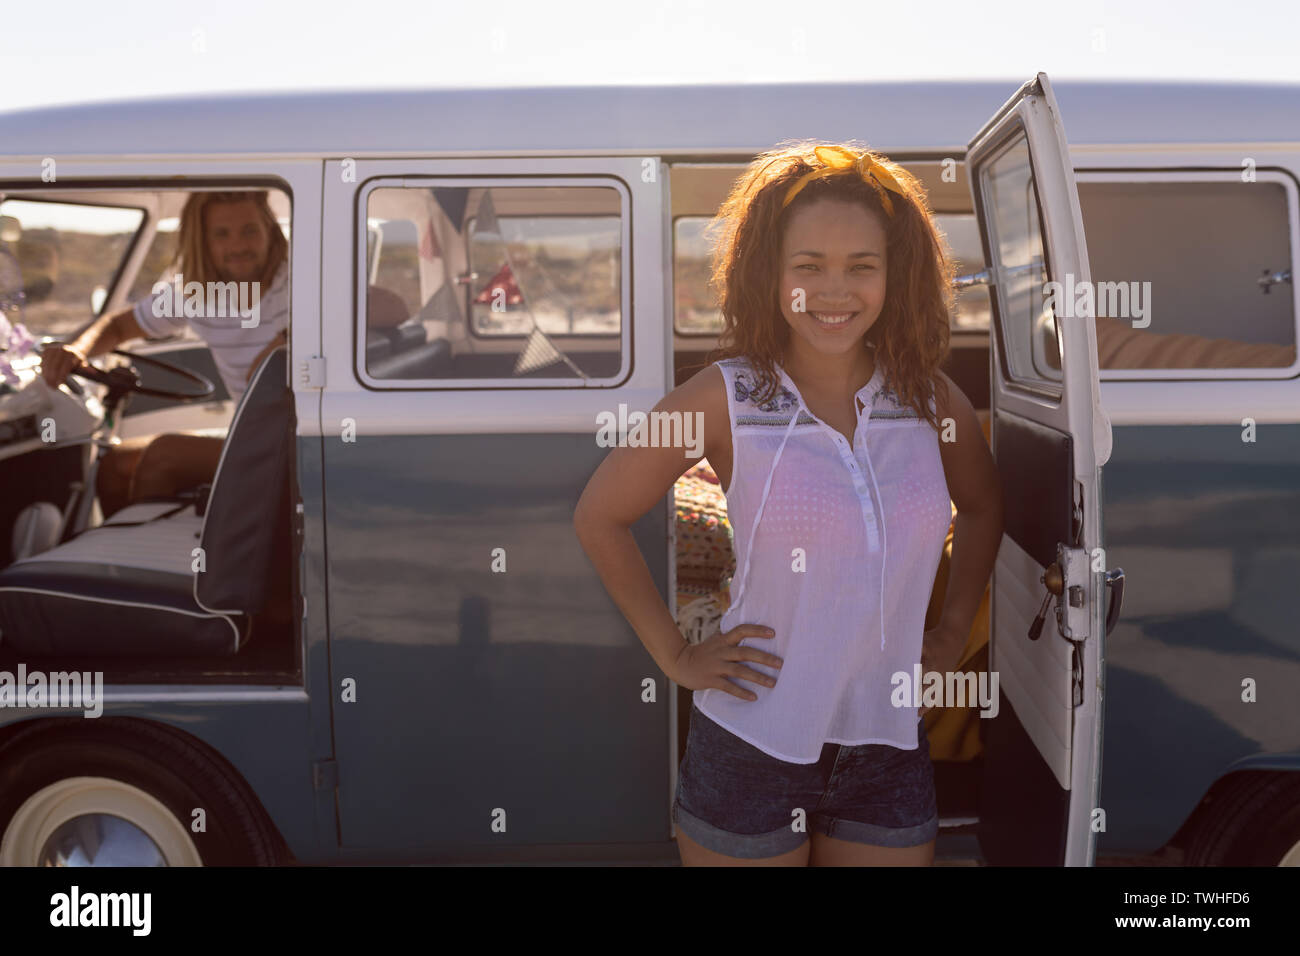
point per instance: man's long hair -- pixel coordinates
(192, 256)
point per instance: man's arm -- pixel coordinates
(105, 334)
(109, 332)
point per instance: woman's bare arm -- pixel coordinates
(628, 483)
(976, 490)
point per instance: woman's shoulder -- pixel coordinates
(746, 387)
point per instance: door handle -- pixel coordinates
(1114, 584)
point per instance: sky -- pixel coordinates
(86, 52)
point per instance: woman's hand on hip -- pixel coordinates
(715, 662)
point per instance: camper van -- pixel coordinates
(373, 637)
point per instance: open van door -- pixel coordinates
(1050, 438)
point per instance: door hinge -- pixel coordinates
(325, 775)
(311, 372)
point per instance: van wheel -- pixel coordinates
(124, 794)
(1254, 821)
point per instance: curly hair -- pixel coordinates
(911, 336)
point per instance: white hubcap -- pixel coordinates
(1291, 857)
(96, 820)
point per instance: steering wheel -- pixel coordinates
(123, 379)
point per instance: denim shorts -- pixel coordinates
(735, 799)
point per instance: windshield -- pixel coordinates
(63, 253)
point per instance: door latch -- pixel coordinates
(1071, 564)
(1072, 613)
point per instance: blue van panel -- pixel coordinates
(482, 692)
(267, 741)
(1207, 530)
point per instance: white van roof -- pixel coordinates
(937, 117)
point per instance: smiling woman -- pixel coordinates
(821, 423)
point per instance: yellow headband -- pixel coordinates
(836, 160)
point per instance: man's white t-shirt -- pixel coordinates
(233, 346)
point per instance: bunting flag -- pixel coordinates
(505, 281)
(453, 202)
(429, 248)
(538, 352)
(485, 220)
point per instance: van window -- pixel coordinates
(695, 309)
(1177, 259)
(1031, 338)
(695, 305)
(495, 282)
(63, 251)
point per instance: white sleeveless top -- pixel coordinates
(837, 547)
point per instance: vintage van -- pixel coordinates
(376, 639)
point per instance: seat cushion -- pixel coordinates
(165, 544)
(117, 592)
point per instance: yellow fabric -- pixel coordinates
(954, 731)
(837, 159)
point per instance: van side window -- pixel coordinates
(495, 283)
(1177, 260)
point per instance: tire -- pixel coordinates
(1253, 819)
(134, 772)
